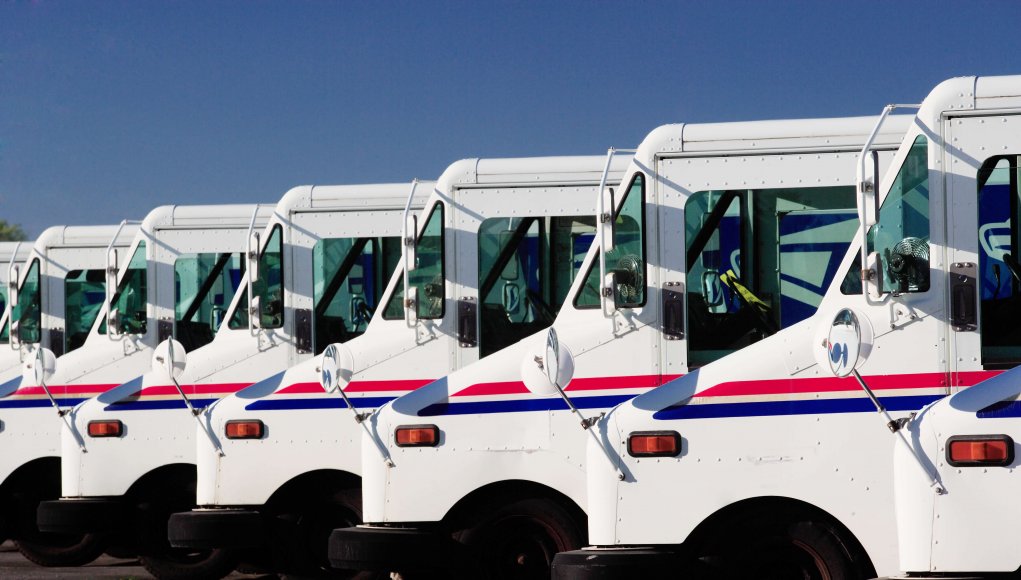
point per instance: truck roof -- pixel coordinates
(355, 197)
(199, 216)
(525, 171)
(81, 236)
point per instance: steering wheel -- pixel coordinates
(544, 311)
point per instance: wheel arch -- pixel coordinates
(492, 495)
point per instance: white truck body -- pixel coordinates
(768, 434)
(11, 254)
(505, 435)
(60, 289)
(518, 226)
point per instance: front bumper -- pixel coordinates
(217, 528)
(394, 549)
(620, 564)
(82, 516)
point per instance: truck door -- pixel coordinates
(981, 160)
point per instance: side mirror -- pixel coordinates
(410, 233)
(606, 225)
(868, 190)
(336, 368)
(43, 365)
(548, 367)
(252, 257)
(12, 285)
(848, 343)
(170, 356)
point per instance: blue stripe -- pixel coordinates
(521, 405)
(330, 403)
(779, 408)
(36, 403)
(158, 405)
(1002, 409)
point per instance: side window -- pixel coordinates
(348, 276)
(427, 274)
(130, 297)
(902, 235)
(999, 275)
(526, 267)
(84, 294)
(5, 329)
(204, 285)
(29, 313)
(759, 261)
(627, 260)
(269, 288)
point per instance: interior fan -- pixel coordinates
(630, 276)
(908, 264)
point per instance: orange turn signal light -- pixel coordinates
(417, 436)
(654, 444)
(247, 429)
(984, 450)
(112, 428)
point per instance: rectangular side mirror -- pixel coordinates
(606, 225)
(868, 191)
(410, 233)
(255, 312)
(12, 286)
(252, 257)
(608, 300)
(113, 322)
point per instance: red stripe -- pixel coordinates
(580, 384)
(834, 384)
(65, 390)
(210, 389)
(357, 387)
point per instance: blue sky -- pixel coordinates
(110, 108)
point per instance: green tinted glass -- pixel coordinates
(84, 294)
(627, 259)
(427, 273)
(130, 298)
(269, 287)
(526, 267)
(759, 261)
(901, 237)
(29, 313)
(349, 275)
(204, 285)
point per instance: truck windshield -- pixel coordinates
(902, 235)
(349, 275)
(130, 298)
(204, 285)
(269, 287)
(526, 267)
(84, 293)
(426, 275)
(759, 261)
(627, 259)
(28, 313)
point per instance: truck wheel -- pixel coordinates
(181, 564)
(519, 540)
(60, 549)
(777, 550)
(307, 534)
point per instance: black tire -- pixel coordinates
(187, 564)
(793, 549)
(61, 549)
(306, 530)
(519, 540)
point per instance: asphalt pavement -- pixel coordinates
(14, 566)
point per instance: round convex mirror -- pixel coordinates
(329, 369)
(844, 343)
(170, 356)
(552, 357)
(44, 365)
